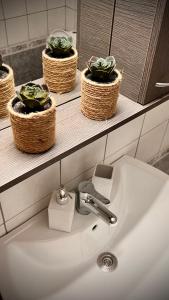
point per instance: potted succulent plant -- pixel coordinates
(100, 88)
(59, 63)
(32, 115)
(7, 87)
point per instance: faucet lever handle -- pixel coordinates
(88, 188)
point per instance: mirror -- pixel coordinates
(24, 27)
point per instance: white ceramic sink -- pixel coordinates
(41, 264)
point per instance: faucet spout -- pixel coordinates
(94, 202)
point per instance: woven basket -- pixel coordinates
(34, 132)
(60, 73)
(99, 100)
(7, 91)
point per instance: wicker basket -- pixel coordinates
(7, 91)
(98, 100)
(60, 73)
(34, 132)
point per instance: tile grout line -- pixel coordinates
(139, 137)
(3, 217)
(105, 148)
(162, 139)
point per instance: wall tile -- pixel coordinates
(3, 39)
(56, 19)
(124, 135)
(71, 19)
(71, 3)
(17, 30)
(14, 8)
(73, 184)
(165, 142)
(55, 3)
(35, 6)
(28, 192)
(82, 160)
(149, 144)
(37, 25)
(1, 11)
(1, 219)
(129, 150)
(2, 230)
(156, 116)
(27, 213)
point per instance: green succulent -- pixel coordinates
(60, 47)
(100, 68)
(33, 97)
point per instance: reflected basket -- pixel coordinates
(7, 91)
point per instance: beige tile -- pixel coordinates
(127, 150)
(149, 144)
(82, 160)
(14, 8)
(27, 214)
(156, 116)
(165, 142)
(71, 19)
(55, 3)
(17, 30)
(71, 3)
(1, 11)
(35, 5)
(56, 19)
(28, 192)
(3, 38)
(73, 184)
(37, 25)
(2, 230)
(124, 135)
(1, 219)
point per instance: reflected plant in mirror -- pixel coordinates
(60, 46)
(32, 98)
(3, 70)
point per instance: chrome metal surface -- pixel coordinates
(162, 84)
(107, 262)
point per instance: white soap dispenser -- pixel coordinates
(61, 210)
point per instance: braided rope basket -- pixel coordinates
(34, 132)
(99, 100)
(60, 73)
(7, 91)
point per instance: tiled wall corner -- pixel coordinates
(118, 142)
(82, 160)
(25, 199)
(71, 15)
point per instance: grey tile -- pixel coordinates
(35, 5)
(14, 8)
(3, 38)
(37, 24)
(163, 164)
(29, 67)
(55, 3)
(17, 30)
(56, 19)
(1, 11)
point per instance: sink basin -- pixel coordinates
(41, 264)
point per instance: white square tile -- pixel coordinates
(71, 19)
(14, 8)
(71, 3)
(165, 142)
(1, 219)
(156, 116)
(129, 150)
(55, 3)
(82, 160)
(56, 19)
(124, 135)
(29, 191)
(149, 144)
(2, 230)
(1, 11)
(73, 184)
(17, 30)
(35, 5)
(27, 214)
(3, 38)
(37, 25)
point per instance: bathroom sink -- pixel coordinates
(41, 264)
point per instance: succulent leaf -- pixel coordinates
(33, 96)
(60, 46)
(101, 68)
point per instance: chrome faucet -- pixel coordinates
(89, 200)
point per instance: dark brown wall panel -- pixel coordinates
(94, 28)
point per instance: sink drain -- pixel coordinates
(107, 262)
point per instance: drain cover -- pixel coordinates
(107, 262)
